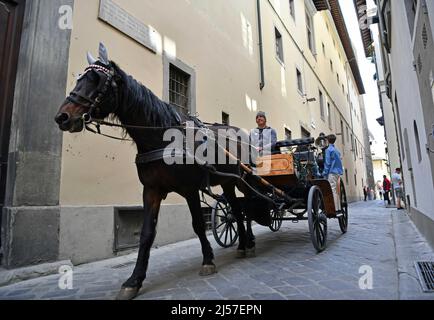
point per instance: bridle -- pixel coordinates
(94, 104)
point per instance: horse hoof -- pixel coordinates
(241, 254)
(251, 253)
(207, 270)
(127, 294)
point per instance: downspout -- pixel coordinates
(261, 48)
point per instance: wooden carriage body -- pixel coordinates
(280, 171)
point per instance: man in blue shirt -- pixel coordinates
(333, 167)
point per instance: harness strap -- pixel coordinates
(157, 155)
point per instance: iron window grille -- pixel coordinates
(179, 89)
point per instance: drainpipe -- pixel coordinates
(261, 48)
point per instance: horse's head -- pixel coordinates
(95, 95)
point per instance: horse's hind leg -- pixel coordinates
(131, 287)
(208, 266)
(231, 197)
(251, 246)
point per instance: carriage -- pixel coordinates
(288, 191)
(301, 195)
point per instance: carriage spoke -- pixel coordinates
(233, 228)
(218, 227)
(322, 233)
(223, 231)
(226, 236)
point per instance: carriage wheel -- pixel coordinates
(224, 224)
(276, 220)
(343, 220)
(317, 219)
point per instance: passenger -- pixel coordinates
(333, 169)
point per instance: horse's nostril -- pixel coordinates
(62, 118)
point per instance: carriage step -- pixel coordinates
(295, 221)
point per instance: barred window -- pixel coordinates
(179, 89)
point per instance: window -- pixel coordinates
(346, 176)
(279, 45)
(338, 78)
(310, 32)
(342, 132)
(288, 134)
(343, 89)
(329, 112)
(411, 8)
(300, 82)
(179, 89)
(292, 8)
(321, 105)
(416, 136)
(225, 119)
(431, 83)
(355, 179)
(304, 133)
(331, 66)
(323, 49)
(348, 134)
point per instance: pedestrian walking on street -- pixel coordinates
(387, 186)
(365, 193)
(397, 187)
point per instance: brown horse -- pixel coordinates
(103, 91)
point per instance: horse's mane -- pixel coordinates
(140, 102)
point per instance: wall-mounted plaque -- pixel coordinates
(119, 18)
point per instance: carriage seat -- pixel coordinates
(304, 156)
(295, 142)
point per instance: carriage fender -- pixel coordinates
(327, 192)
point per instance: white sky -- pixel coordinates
(367, 70)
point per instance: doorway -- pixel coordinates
(11, 20)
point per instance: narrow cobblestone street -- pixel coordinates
(286, 266)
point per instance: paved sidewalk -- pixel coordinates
(286, 267)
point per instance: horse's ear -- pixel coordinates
(90, 59)
(103, 55)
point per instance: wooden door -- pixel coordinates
(11, 18)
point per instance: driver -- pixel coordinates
(333, 166)
(263, 138)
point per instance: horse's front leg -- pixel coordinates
(208, 266)
(151, 204)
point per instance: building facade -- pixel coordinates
(405, 48)
(80, 193)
